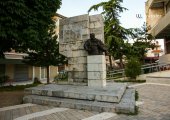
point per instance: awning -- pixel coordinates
(157, 51)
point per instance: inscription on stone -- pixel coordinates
(72, 33)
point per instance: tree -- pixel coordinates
(47, 54)
(114, 33)
(142, 41)
(27, 26)
(23, 23)
(133, 68)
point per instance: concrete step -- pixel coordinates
(164, 59)
(110, 93)
(126, 105)
(158, 79)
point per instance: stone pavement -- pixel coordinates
(154, 104)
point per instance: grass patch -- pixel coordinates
(136, 96)
(17, 87)
(133, 81)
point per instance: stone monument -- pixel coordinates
(96, 65)
(73, 33)
(87, 67)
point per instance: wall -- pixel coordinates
(30, 72)
(37, 72)
(153, 16)
(53, 72)
(168, 7)
(9, 71)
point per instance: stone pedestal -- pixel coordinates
(96, 71)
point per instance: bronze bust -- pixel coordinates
(94, 46)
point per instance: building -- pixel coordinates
(158, 23)
(152, 55)
(16, 70)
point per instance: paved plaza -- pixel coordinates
(154, 104)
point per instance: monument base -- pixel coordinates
(112, 98)
(96, 70)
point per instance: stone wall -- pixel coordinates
(73, 32)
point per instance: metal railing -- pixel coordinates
(145, 69)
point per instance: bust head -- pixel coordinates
(92, 36)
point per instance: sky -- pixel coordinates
(70, 8)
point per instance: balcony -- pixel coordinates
(162, 28)
(156, 3)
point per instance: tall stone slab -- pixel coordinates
(73, 32)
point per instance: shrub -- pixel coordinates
(56, 78)
(133, 68)
(63, 75)
(36, 81)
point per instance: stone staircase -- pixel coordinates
(112, 98)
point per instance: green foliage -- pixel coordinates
(23, 23)
(36, 81)
(115, 34)
(27, 26)
(136, 96)
(133, 68)
(142, 41)
(133, 81)
(47, 54)
(17, 87)
(61, 76)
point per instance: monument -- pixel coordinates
(73, 33)
(81, 40)
(96, 65)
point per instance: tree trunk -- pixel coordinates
(48, 75)
(121, 63)
(110, 61)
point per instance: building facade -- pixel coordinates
(158, 23)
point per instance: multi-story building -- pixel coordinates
(16, 70)
(158, 23)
